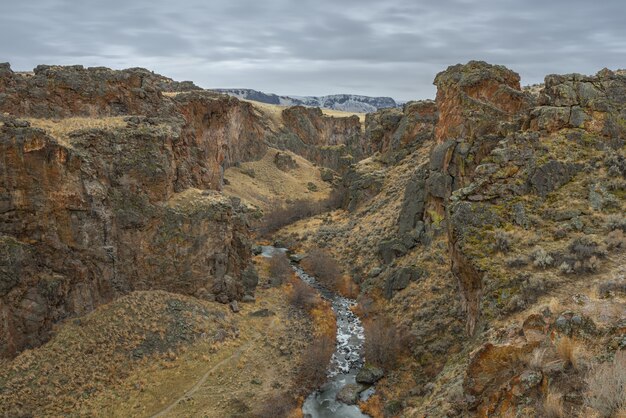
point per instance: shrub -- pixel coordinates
(314, 363)
(279, 215)
(585, 254)
(583, 247)
(502, 241)
(616, 285)
(569, 351)
(615, 239)
(616, 222)
(553, 405)
(324, 267)
(383, 343)
(606, 386)
(541, 258)
(279, 269)
(302, 296)
(278, 406)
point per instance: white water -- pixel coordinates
(346, 360)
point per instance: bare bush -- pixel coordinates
(606, 386)
(614, 286)
(302, 296)
(279, 269)
(279, 215)
(615, 222)
(383, 343)
(314, 362)
(585, 255)
(615, 239)
(553, 405)
(324, 267)
(569, 351)
(278, 406)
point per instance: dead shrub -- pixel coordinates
(279, 215)
(606, 386)
(279, 268)
(302, 296)
(616, 285)
(383, 343)
(553, 405)
(314, 363)
(569, 351)
(324, 267)
(501, 241)
(278, 406)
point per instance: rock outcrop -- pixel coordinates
(395, 132)
(89, 214)
(325, 140)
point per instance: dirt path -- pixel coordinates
(233, 357)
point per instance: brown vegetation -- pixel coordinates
(569, 351)
(553, 405)
(606, 384)
(279, 215)
(302, 296)
(279, 269)
(384, 344)
(324, 267)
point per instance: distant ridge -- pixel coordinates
(345, 102)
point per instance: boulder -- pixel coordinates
(552, 175)
(284, 161)
(369, 374)
(349, 394)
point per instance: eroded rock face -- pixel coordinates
(97, 213)
(396, 132)
(473, 99)
(594, 103)
(57, 92)
(328, 141)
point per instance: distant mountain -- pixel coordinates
(345, 102)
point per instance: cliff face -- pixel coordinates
(395, 131)
(333, 142)
(463, 235)
(57, 92)
(90, 213)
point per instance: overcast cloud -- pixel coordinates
(301, 47)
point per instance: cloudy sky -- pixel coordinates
(302, 47)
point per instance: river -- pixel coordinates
(346, 360)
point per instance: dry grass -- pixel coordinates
(270, 183)
(88, 369)
(570, 352)
(606, 384)
(274, 113)
(553, 405)
(62, 128)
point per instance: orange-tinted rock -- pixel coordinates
(473, 99)
(393, 130)
(333, 142)
(83, 223)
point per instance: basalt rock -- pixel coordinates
(97, 213)
(474, 99)
(394, 132)
(328, 141)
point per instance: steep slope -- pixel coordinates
(495, 236)
(95, 208)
